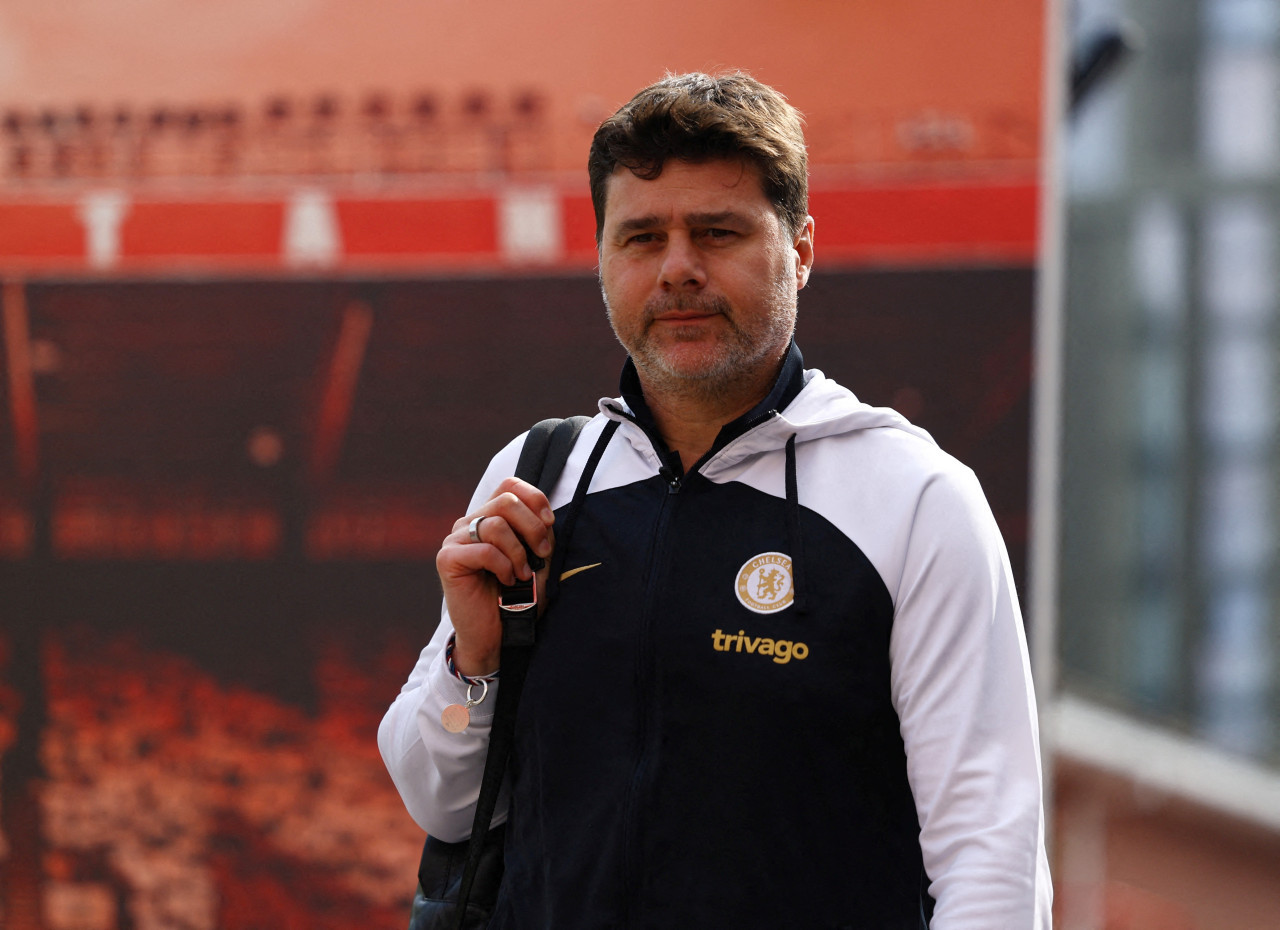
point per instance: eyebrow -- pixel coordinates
(638, 223)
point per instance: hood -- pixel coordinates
(812, 407)
(821, 409)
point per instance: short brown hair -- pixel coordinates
(699, 117)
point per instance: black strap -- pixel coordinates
(544, 454)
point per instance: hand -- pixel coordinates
(472, 572)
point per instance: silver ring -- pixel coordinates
(473, 530)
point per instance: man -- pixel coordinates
(784, 681)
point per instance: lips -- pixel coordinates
(685, 316)
(686, 310)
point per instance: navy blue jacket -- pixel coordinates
(786, 689)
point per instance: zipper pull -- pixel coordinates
(671, 478)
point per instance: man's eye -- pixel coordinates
(641, 239)
(716, 233)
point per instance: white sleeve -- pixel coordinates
(437, 772)
(961, 683)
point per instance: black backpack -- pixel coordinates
(458, 882)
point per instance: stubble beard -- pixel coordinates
(737, 360)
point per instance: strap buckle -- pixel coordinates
(519, 596)
(515, 608)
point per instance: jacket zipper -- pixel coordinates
(632, 871)
(658, 561)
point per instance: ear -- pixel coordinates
(803, 246)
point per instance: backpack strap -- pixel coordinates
(546, 450)
(542, 458)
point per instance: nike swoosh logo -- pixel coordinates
(581, 568)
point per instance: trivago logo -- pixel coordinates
(782, 650)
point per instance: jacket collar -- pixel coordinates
(789, 383)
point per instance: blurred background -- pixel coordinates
(277, 278)
(1165, 595)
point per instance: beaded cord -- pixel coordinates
(453, 669)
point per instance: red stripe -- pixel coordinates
(926, 221)
(578, 219)
(418, 227)
(228, 229)
(40, 230)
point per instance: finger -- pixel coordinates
(495, 532)
(499, 555)
(523, 508)
(530, 496)
(510, 493)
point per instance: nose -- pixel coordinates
(682, 267)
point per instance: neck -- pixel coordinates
(690, 420)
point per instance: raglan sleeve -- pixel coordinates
(962, 688)
(437, 772)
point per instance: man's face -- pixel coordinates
(700, 276)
